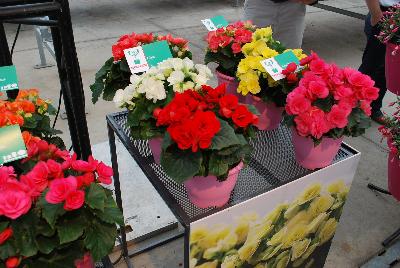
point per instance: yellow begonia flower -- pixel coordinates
(292, 210)
(337, 187)
(260, 265)
(195, 250)
(299, 248)
(263, 33)
(301, 217)
(213, 237)
(298, 232)
(277, 238)
(309, 194)
(274, 215)
(270, 252)
(198, 234)
(231, 261)
(248, 250)
(320, 204)
(326, 232)
(282, 260)
(192, 262)
(247, 49)
(309, 251)
(213, 264)
(316, 223)
(249, 83)
(242, 229)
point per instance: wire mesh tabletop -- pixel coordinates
(272, 165)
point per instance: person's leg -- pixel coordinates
(291, 24)
(261, 12)
(373, 64)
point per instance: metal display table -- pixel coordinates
(272, 165)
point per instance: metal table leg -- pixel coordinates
(117, 187)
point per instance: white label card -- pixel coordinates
(273, 68)
(136, 60)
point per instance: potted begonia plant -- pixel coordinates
(390, 35)
(224, 47)
(391, 131)
(266, 94)
(328, 104)
(54, 212)
(206, 142)
(115, 72)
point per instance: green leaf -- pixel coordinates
(180, 165)
(217, 166)
(7, 250)
(225, 137)
(96, 197)
(100, 239)
(135, 116)
(167, 141)
(70, 229)
(102, 73)
(3, 226)
(43, 228)
(97, 89)
(111, 213)
(123, 65)
(253, 109)
(51, 212)
(46, 244)
(59, 258)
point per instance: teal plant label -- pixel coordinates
(141, 58)
(274, 66)
(157, 52)
(215, 23)
(12, 146)
(8, 78)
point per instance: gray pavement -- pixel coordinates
(368, 217)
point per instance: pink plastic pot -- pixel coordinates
(270, 115)
(155, 147)
(394, 174)
(231, 84)
(392, 67)
(207, 191)
(313, 157)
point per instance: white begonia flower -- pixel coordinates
(177, 63)
(165, 65)
(201, 79)
(153, 71)
(188, 64)
(154, 89)
(187, 85)
(203, 69)
(135, 79)
(177, 88)
(130, 92)
(119, 98)
(176, 77)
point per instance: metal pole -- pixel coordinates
(5, 58)
(67, 99)
(74, 85)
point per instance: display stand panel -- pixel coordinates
(289, 226)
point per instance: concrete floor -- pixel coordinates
(368, 217)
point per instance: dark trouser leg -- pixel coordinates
(373, 64)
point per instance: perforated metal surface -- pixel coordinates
(272, 165)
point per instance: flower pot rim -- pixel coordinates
(225, 76)
(294, 130)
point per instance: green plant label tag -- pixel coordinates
(141, 58)
(157, 52)
(215, 23)
(274, 66)
(12, 146)
(8, 78)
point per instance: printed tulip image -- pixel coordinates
(294, 234)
